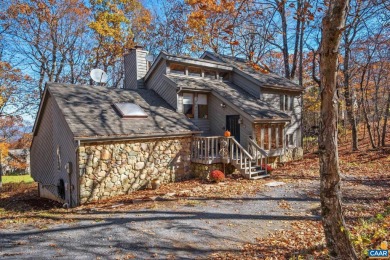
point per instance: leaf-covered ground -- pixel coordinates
(366, 189)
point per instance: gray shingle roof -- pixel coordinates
(265, 80)
(256, 108)
(89, 112)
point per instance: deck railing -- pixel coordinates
(239, 156)
(260, 155)
(205, 149)
(217, 149)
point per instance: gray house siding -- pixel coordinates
(163, 86)
(130, 71)
(294, 127)
(53, 133)
(42, 150)
(246, 84)
(63, 138)
(136, 67)
(217, 119)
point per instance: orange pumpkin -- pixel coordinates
(227, 133)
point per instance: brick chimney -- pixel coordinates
(136, 67)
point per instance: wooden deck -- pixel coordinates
(250, 162)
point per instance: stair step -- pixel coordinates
(257, 172)
(259, 177)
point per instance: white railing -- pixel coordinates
(217, 149)
(260, 155)
(239, 156)
(205, 149)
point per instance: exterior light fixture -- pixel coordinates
(223, 105)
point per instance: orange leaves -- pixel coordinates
(116, 24)
(212, 20)
(3, 150)
(257, 67)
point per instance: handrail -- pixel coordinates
(261, 150)
(241, 148)
(207, 150)
(206, 137)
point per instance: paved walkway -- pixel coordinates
(190, 231)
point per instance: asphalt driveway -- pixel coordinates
(196, 229)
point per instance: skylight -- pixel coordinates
(130, 110)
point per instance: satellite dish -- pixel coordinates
(150, 58)
(99, 76)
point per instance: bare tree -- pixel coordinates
(46, 34)
(336, 233)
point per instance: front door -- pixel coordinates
(233, 126)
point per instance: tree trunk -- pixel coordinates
(385, 120)
(348, 98)
(282, 10)
(297, 40)
(1, 172)
(336, 234)
(302, 30)
(364, 106)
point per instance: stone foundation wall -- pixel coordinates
(293, 154)
(117, 168)
(202, 170)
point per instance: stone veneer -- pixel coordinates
(117, 168)
(202, 171)
(292, 154)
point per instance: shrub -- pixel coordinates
(267, 167)
(217, 176)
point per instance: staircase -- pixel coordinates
(217, 149)
(249, 162)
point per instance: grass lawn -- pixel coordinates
(18, 178)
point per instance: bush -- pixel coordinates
(217, 176)
(267, 167)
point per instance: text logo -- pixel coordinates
(382, 253)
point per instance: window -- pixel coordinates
(188, 104)
(290, 140)
(209, 74)
(202, 106)
(130, 110)
(195, 72)
(178, 69)
(286, 103)
(224, 76)
(58, 157)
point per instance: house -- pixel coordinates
(16, 162)
(167, 123)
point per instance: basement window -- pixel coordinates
(130, 110)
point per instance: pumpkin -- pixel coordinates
(227, 133)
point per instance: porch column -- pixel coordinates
(269, 137)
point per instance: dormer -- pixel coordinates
(197, 71)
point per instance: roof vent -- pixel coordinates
(130, 110)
